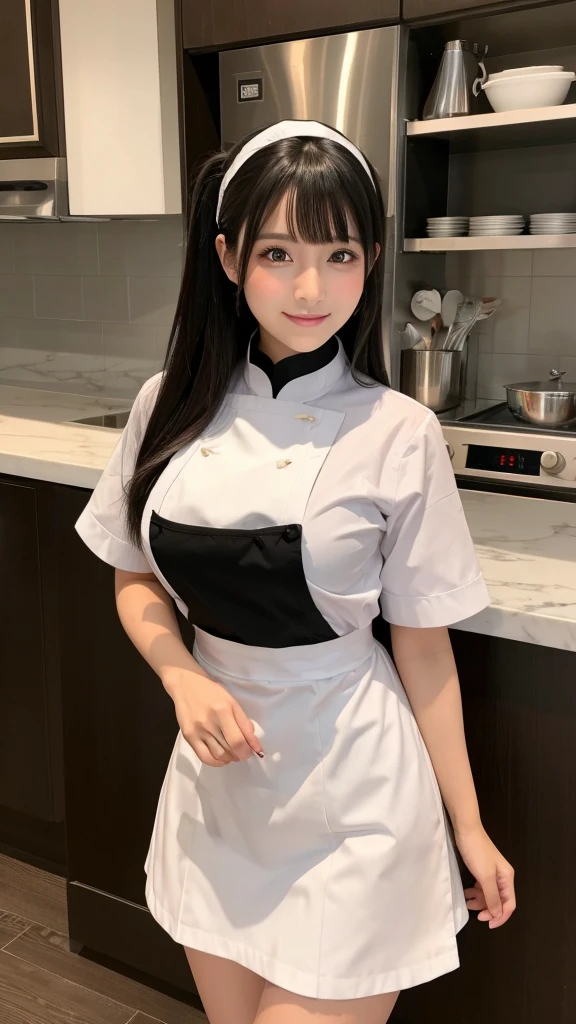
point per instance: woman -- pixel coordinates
(277, 489)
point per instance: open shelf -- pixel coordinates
(462, 243)
(514, 128)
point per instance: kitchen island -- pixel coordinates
(66, 657)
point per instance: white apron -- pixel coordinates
(327, 866)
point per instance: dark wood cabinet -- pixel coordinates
(520, 713)
(119, 723)
(422, 10)
(119, 728)
(31, 772)
(30, 97)
(221, 23)
(64, 657)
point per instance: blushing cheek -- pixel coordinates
(264, 287)
(346, 291)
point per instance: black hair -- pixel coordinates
(323, 183)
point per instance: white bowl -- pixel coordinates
(528, 91)
(538, 69)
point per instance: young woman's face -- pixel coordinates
(300, 294)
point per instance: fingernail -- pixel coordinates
(260, 753)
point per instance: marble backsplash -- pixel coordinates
(87, 308)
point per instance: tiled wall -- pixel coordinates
(535, 329)
(86, 308)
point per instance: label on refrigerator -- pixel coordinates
(249, 89)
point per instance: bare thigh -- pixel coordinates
(229, 992)
(280, 1007)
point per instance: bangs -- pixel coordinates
(323, 198)
(317, 214)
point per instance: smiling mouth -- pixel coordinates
(307, 320)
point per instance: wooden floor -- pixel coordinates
(42, 982)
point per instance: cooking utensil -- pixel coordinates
(450, 95)
(423, 335)
(411, 338)
(467, 314)
(547, 403)
(426, 303)
(450, 303)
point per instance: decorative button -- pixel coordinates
(282, 463)
(305, 416)
(291, 533)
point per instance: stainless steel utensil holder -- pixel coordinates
(436, 377)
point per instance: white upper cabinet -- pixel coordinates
(121, 107)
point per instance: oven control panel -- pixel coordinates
(492, 454)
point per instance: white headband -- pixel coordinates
(286, 130)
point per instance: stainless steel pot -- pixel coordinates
(434, 377)
(549, 403)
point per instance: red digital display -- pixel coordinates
(503, 460)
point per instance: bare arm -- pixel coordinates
(210, 719)
(147, 614)
(426, 666)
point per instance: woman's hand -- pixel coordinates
(211, 721)
(493, 893)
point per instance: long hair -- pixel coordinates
(324, 183)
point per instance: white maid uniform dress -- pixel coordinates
(326, 867)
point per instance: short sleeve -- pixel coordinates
(102, 525)
(431, 575)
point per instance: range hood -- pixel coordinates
(33, 189)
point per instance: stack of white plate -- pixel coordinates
(447, 227)
(504, 225)
(553, 224)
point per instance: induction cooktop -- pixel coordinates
(500, 417)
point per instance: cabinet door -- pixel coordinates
(28, 98)
(24, 742)
(419, 10)
(119, 723)
(225, 22)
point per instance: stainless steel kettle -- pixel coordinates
(459, 69)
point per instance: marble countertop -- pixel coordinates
(527, 552)
(526, 546)
(37, 439)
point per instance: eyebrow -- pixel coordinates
(278, 236)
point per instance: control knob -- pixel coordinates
(552, 462)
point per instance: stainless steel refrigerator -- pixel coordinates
(353, 81)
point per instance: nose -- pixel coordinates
(308, 287)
